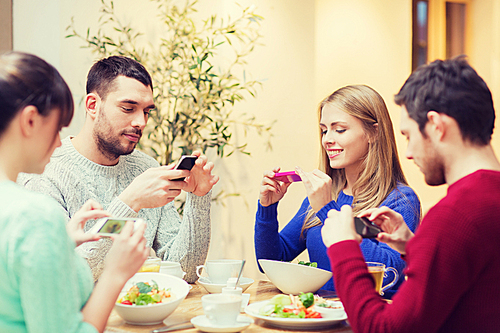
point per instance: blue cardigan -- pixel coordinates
(288, 244)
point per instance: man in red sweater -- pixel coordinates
(453, 260)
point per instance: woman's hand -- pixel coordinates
(396, 233)
(318, 187)
(128, 252)
(124, 259)
(90, 210)
(271, 190)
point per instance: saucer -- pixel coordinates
(213, 288)
(203, 324)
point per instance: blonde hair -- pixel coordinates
(381, 170)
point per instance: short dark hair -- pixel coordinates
(454, 88)
(104, 72)
(26, 79)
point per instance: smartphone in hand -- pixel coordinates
(366, 228)
(185, 163)
(287, 177)
(109, 226)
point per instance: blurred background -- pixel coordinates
(309, 49)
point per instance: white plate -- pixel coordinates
(203, 324)
(295, 323)
(214, 288)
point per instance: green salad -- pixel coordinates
(310, 264)
(290, 306)
(145, 293)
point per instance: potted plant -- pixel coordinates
(195, 98)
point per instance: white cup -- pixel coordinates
(219, 271)
(245, 298)
(172, 268)
(232, 290)
(221, 309)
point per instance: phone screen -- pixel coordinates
(366, 228)
(185, 163)
(112, 226)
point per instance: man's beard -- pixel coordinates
(108, 144)
(433, 169)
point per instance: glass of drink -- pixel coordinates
(378, 272)
(151, 265)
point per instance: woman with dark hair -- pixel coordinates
(45, 286)
(359, 168)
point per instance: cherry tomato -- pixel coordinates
(127, 302)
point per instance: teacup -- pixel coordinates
(378, 272)
(221, 309)
(245, 298)
(172, 268)
(219, 271)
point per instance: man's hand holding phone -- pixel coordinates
(395, 231)
(185, 163)
(154, 188)
(201, 180)
(339, 226)
(366, 228)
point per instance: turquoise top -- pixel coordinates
(43, 282)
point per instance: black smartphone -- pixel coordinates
(366, 228)
(185, 163)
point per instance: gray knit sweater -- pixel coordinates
(72, 179)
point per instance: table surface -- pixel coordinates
(191, 307)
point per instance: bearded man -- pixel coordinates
(101, 163)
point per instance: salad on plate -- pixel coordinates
(146, 293)
(305, 305)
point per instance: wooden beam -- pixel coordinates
(5, 25)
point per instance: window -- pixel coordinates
(439, 30)
(420, 32)
(455, 29)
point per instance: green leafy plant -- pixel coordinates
(195, 90)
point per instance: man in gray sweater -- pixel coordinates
(101, 163)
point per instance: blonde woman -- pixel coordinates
(359, 168)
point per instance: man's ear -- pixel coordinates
(435, 125)
(92, 102)
(29, 118)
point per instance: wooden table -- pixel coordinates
(191, 307)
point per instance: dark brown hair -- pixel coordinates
(103, 73)
(454, 88)
(26, 79)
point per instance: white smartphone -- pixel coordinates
(109, 226)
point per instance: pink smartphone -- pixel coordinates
(287, 177)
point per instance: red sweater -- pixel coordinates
(453, 268)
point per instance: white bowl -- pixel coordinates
(156, 313)
(214, 288)
(334, 309)
(293, 278)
